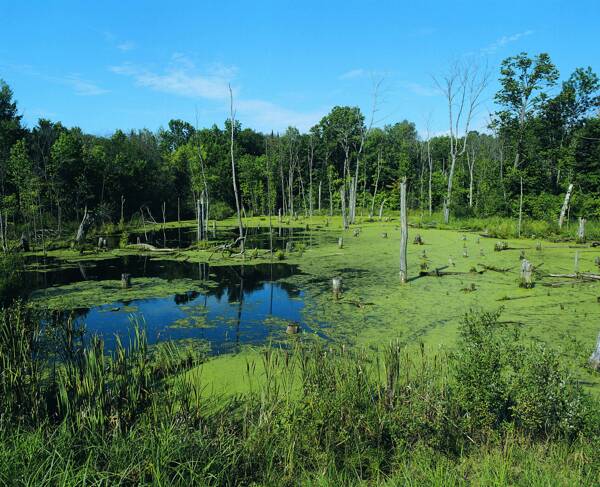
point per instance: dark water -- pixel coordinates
(246, 304)
(256, 237)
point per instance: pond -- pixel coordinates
(225, 306)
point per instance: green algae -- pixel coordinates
(86, 294)
(376, 308)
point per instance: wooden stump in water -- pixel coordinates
(538, 246)
(356, 232)
(500, 246)
(418, 240)
(24, 244)
(384, 235)
(289, 246)
(336, 284)
(595, 357)
(341, 242)
(125, 281)
(526, 274)
(292, 328)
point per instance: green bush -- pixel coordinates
(219, 210)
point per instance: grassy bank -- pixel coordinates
(496, 411)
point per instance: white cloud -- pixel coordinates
(81, 86)
(266, 116)
(126, 46)
(179, 78)
(182, 78)
(504, 40)
(353, 74)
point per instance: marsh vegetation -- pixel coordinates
(352, 304)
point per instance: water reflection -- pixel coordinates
(245, 304)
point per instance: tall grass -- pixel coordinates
(493, 412)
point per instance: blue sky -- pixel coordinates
(133, 64)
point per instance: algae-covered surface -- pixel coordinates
(375, 308)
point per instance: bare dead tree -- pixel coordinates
(233, 177)
(378, 172)
(462, 86)
(430, 163)
(471, 166)
(376, 82)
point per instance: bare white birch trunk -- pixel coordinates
(565, 205)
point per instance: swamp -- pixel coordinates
(282, 296)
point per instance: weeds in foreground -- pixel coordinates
(495, 411)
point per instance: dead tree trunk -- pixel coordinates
(86, 223)
(581, 230)
(164, 208)
(381, 209)
(526, 274)
(233, 177)
(565, 205)
(376, 184)
(404, 232)
(343, 197)
(595, 358)
(520, 209)
(319, 207)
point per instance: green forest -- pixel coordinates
(543, 138)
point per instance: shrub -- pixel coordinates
(219, 210)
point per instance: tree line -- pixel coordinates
(544, 136)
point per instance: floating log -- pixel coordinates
(494, 268)
(584, 276)
(149, 248)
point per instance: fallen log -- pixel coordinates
(583, 276)
(495, 269)
(149, 248)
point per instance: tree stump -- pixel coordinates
(384, 235)
(356, 232)
(24, 244)
(595, 357)
(500, 246)
(341, 242)
(526, 274)
(125, 281)
(336, 284)
(418, 240)
(292, 328)
(289, 246)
